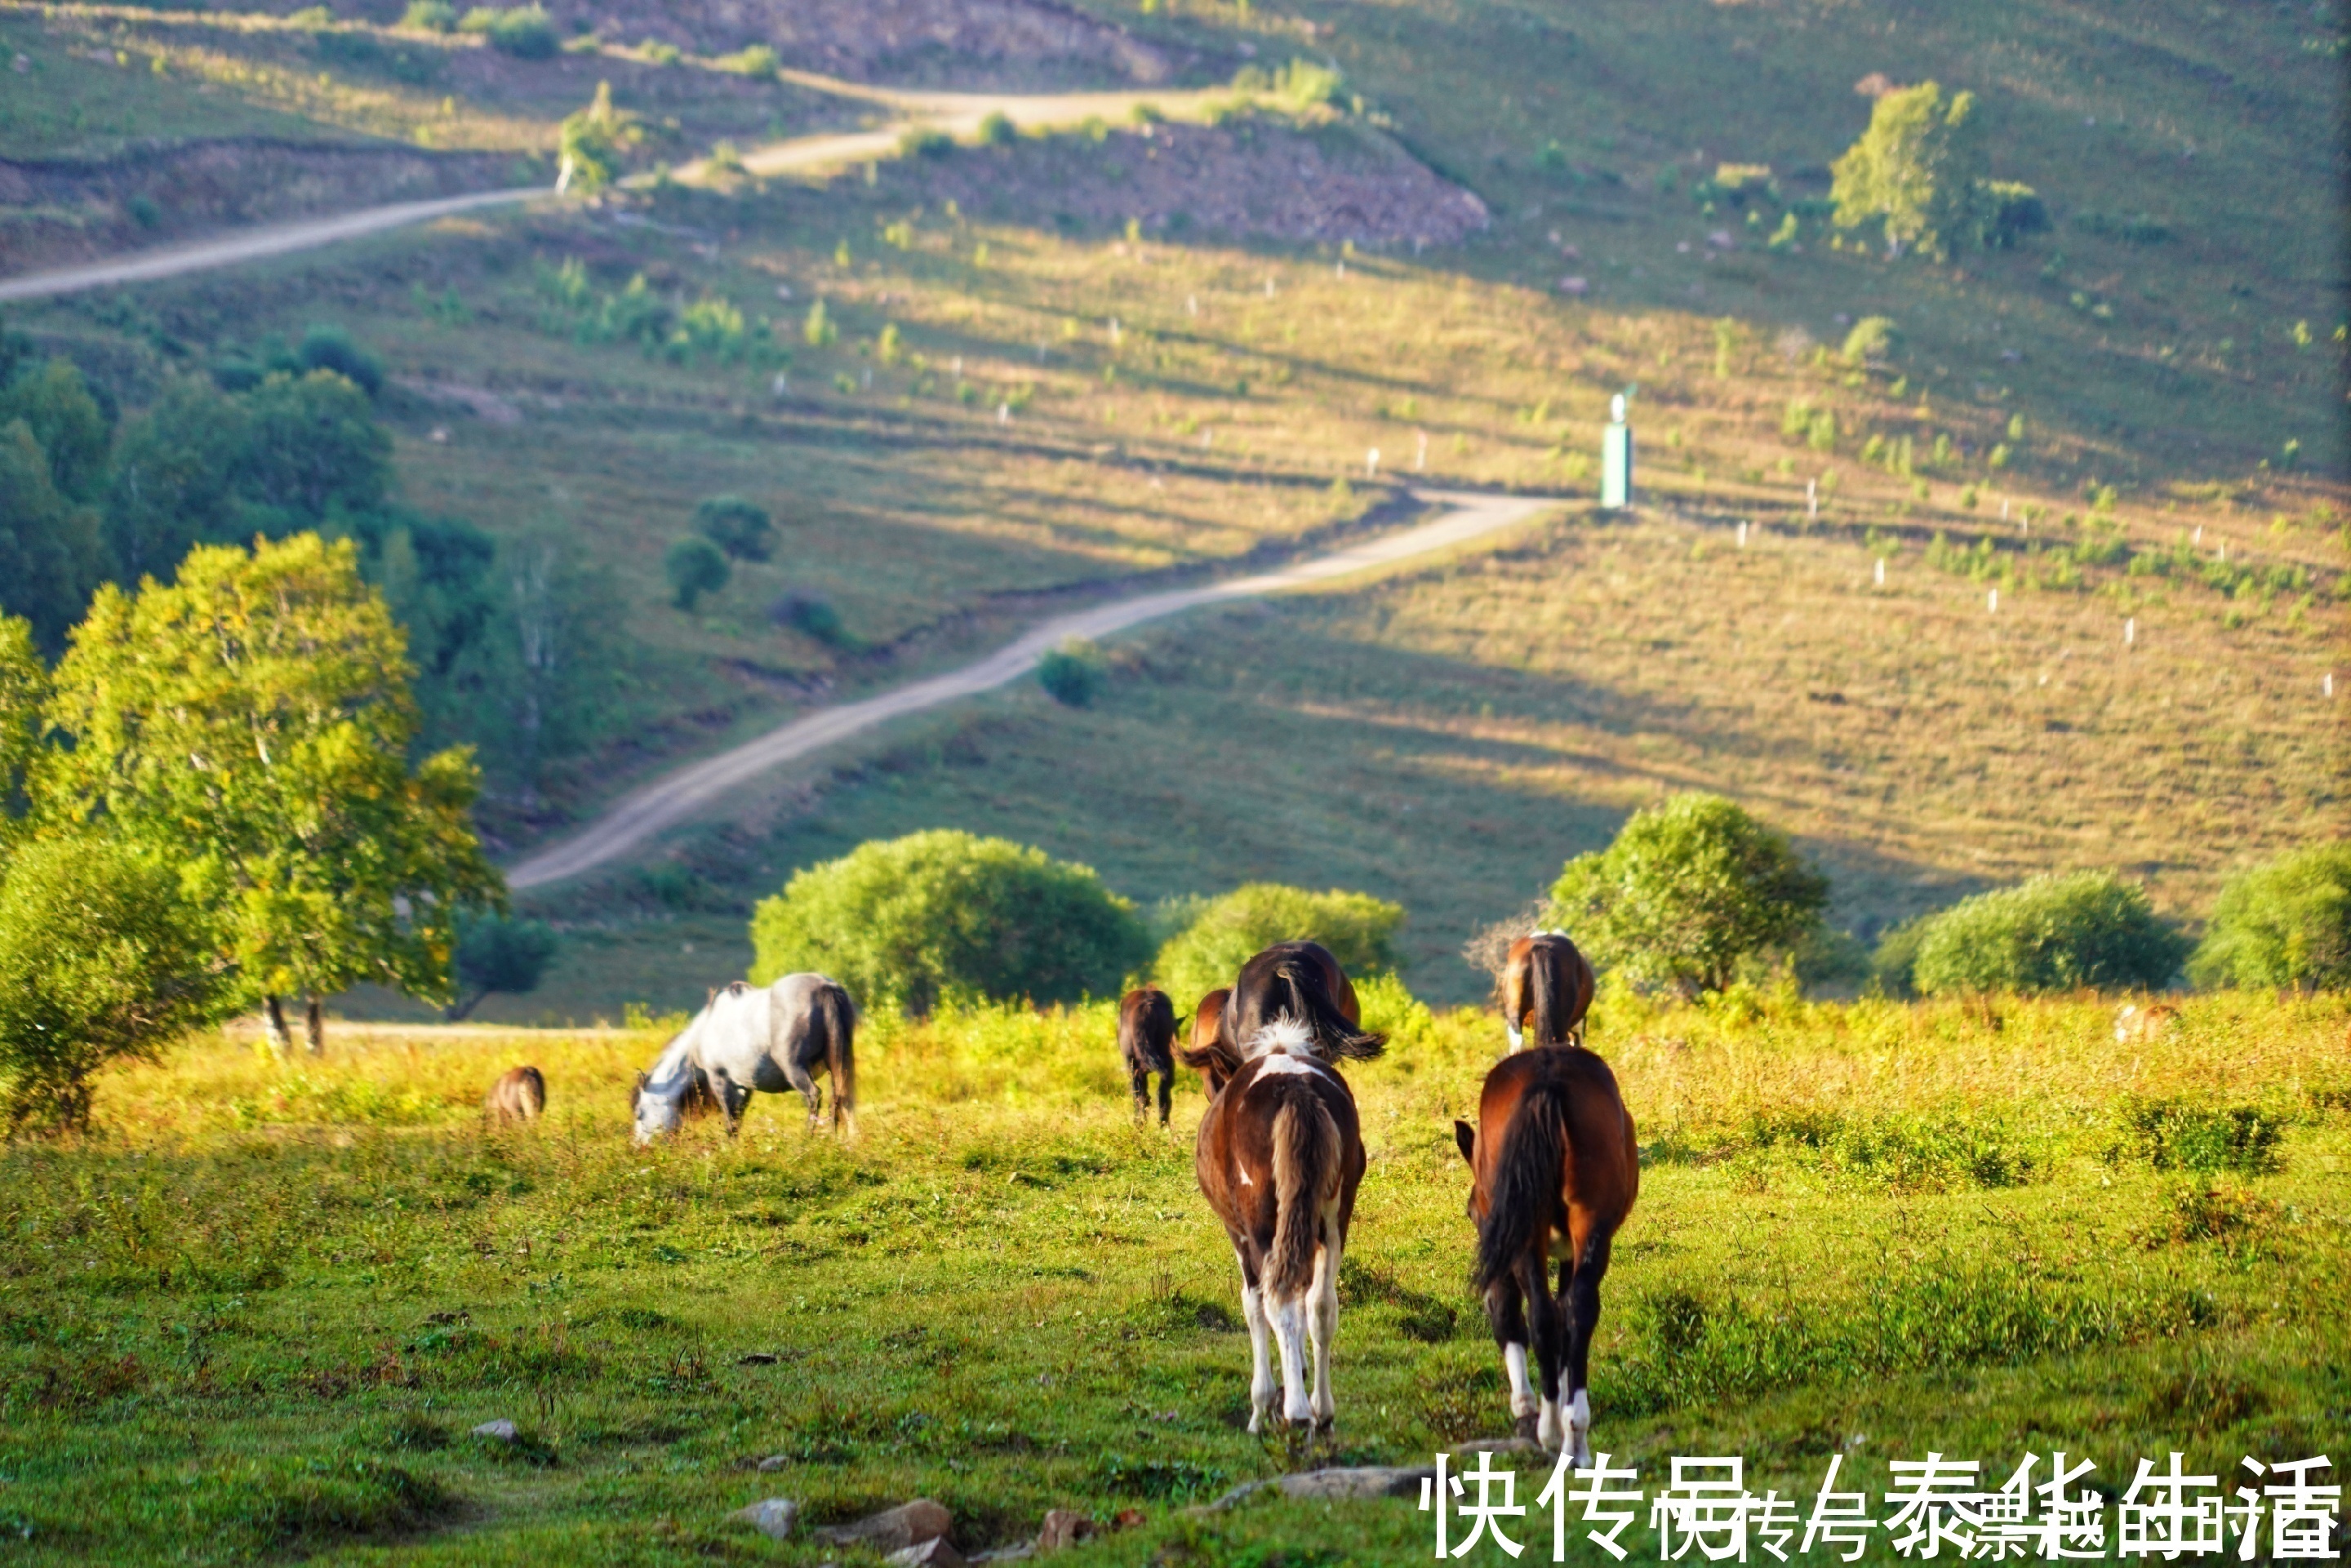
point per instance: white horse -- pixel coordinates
(748, 1038)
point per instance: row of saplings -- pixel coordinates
(1280, 1150)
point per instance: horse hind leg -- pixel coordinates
(1580, 1293)
(1261, 1370)
(1506, 1311)
(1288, 1315)
(1549, 1333)
(1167, 1090)
(1322, 1322)
(1139, 1080)
(797, 1075)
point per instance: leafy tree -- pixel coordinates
(174, 479)
(736, 526)
(2286, 922)
(1689, 890)
(997, 130)
(253, 722)
(430, 16)
(99, 959)
(903, 922)
(1359, 929)
(312, 447)
(1072, 673)
(51, 554)
(1917, 168)
(1872, 338)
(592, 143)
(500, 954)
(694, 567)
(2048, 934)
(23, 693)
(328, 348)
(72, 430)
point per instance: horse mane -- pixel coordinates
(1285, 1034)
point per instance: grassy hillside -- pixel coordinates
(1019, 399)
(262, 1312)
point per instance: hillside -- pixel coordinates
(1096, 357)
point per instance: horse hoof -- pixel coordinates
(1526, 1429)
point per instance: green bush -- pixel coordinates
(2174, 1136)
(812, 615)
(925, 142)
(1873, 338)
(430, 16)
(1894, 964)
(997, 130)
(523, 31)
(2286, 922)
(1689, 890)
(325, 348)
(1072, 673)
(1359, 929)
(1915, 169)
(2049, 934)
(758, 62)
(694, 567)
(905, 921)
(736, 526)
(99, 959)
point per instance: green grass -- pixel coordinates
(258, 1311)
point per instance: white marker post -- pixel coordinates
(2130, 632)
(1742, 535)
(2326, 684)
(1991, 604)
(1371, 462)
(1004, 413)
(1617, 459)
(1813, 498)
(1191, 305)
(1881, 571)
(1420, 451)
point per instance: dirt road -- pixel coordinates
(666, 802)
(957, 114)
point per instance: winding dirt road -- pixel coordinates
(956, 113)
(667, 801)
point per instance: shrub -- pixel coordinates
(1359, 929)
(694, 567)
(1873, 339)
(2049, 934)
(1072, 673)
(99, 959)
(736, 526)
(2286, 922)
(590, 143)
(1689, 890)
(500, 954)
(524, 32)
(2007, 211)
(758, 62)
(330, 349)
(812, 615)
(430, 16)
(903, 922)
(818, 330)
(925, 142)
(1915, 169)
(997, 130)
(2173, 1135)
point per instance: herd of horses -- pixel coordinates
(1552, 1163)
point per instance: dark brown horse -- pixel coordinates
(1297, 980)
(1146, 1041)
(1545, 977)
(1554, 1171)
(1280, 1157)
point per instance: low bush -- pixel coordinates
(694, 567)
(741, 529)
(430, 16)
(2178, 1135)
(1871, 341)
(925, 142)
(997, 130)
(812, 615)
(2286, 922)
(2089, 929)
(1073, 674)
(526, 32)
(1359, 929)
(904, 922)
(327, 348)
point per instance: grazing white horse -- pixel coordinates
(750, 1039)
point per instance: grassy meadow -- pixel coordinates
(258, 1311)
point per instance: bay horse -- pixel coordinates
(1554, 1171)
(520, 1095)
(749, 1037)
(1146, 1040)
(1299, 980)
(1201, 1055)
(1546, 976)
(1280, 1157)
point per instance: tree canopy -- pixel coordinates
(1919, 170)
(2285, 921)
(1688, 891)
(904, 922)
(2048, 934)
(1359, 929)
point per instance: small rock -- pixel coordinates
(771, 1464)
(892, 1530)
(1020, 1552)
(772, 1517)
(501, 1430)
(937, 1553)
(1335, 1485)
(1063, 1527)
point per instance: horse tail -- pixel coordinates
(838, 1018)
(534, 1092)
(1523, 1207)
(1308, 999)
(1543, 972)
(1305, 1176)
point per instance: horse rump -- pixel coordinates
(1522, 1209)
(519, 1095)
(1146, 1031)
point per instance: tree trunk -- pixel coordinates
(314, 1026)
(273, 1021)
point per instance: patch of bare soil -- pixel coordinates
(1252, 177)
(881, 40)
(56, 211)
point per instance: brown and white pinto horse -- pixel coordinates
(1556, 1171)
(1544, 975)
(1280, 1157)
(1146, 1041)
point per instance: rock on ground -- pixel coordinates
(892, 1530)
(772, 1517)
(501, 1430)
(1337, 1485)
(937, 1553)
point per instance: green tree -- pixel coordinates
(903, 922)
(51, 554)
(694, 567)
(174, 483)
(99, 959)
(1073, 674)
(73, 432)
(1689, 890)
(592, 143)
(742, 530)
(497, 953)
(1917, 168)
(2048, 934)
(24, 694)
(253, 722)
(1359, 929)
(312, 447)
(2286, 922)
